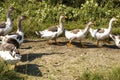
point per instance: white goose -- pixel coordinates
(116, 39)
(78, 34)
(53, 32)
(19, 35)
(6, 27)
(102, 33)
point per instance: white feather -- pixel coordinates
(116, 40)
(48, 34)
(70, 36)
(9, 58)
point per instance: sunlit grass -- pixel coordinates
(114, 74)
(7, 74)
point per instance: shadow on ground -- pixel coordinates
(32, 56)
(34, 40)
(76, 44)
(91, 45)
(111, 46)
(87, 44)
(59, 44)
(29, 69)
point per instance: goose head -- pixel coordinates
(23, 17)
(11, 9)
(90, 23)
(63, 16)
(114, 19)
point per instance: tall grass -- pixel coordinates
(7, 74)
(114, 74)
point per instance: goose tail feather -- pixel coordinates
(112, 36)
(38, 33)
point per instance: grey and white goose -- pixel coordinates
(102, 33)
(6, 26)
(53, 32)
(19, 35)
(78, 34)
(10, 53)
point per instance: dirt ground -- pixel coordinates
(41, 61)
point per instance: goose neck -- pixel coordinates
(86, 28)
(20, 25)
(60, 23)
(110, 25)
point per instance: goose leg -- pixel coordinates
(98, 44)
(82, 44)
(56, 41)
(103, 41)
(48, 42)
(106, 41)
(69, 43)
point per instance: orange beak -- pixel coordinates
(65, 16)
(116, 20)
(27, 17)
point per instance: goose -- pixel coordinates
(19, 35)
(53, 32)
(10, 54)
(102, 33)
(116, 39)
(78, 34)
(6, 26)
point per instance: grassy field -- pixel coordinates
(59, 62)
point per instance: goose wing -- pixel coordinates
(75, 31)
(7, 47)
(100, 30)
(12, 35)
(53, 29)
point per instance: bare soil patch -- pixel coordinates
(41, 61)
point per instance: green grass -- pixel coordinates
(114, 74)
(91, 76)
(7, 74)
